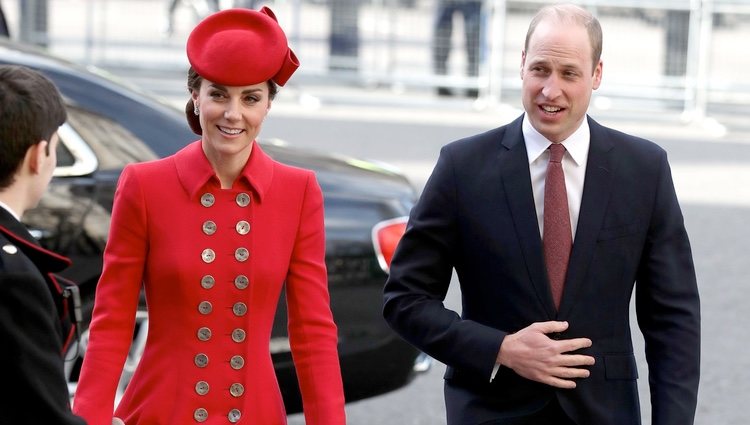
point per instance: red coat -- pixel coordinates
(213, 263)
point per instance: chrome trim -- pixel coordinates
(85, 159)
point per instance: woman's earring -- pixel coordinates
(196, 111)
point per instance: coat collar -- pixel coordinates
(596, 192)
(195, 172)
(19, 236)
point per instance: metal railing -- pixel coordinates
(683, 53)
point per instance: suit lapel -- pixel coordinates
(514, 166)
(596, 192)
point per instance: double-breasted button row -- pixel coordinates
(209, 227)
(201, 415)
(242, 199)
(241, 254)
(240, 282)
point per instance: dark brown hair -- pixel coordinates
(31, 110)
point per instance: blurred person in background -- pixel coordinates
(471, 13)
(550, 223)
(36, 307)
(4, 30)
(212, 234)
(201, 8)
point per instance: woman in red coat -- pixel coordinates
(212, 234)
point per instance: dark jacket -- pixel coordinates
(477, 215)
(35, 329)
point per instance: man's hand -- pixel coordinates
(534, 355)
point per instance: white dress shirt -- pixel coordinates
(573, 164)
(5, 206)
(574, 167)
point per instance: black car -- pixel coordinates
(111, 124)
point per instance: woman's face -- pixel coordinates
(230, 116)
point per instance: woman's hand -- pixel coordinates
(117, 421)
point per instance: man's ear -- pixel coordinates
(36, 156)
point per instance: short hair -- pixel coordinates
(31, 110)
(194, 81)
(573, 14)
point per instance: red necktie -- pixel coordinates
(558, 238)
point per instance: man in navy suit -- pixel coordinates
(516, 354)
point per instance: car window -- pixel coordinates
(113, 145)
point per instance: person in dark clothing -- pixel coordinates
(35, 306)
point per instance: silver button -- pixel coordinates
(205, 307)
(201, 360)
(208, 281)
(209, 227)
(241, 281)
(236, 389)
(239, 309)
(204, 334)
(201, 388)
(234, 415)
(238, 335)
(200, 414)
(237, 362)
(241, 254)
(208, 255)
(242, 227)
(207, 200)
(10, 249)
(243, 199)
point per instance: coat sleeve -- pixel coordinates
(312, 331)
(32, 344)
(117, 294)
(668, 309)
(420, 275)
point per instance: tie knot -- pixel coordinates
(556, 150)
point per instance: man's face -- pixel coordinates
(558, 78)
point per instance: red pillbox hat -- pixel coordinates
(241, 47)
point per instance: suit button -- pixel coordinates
(241, 282)
(237, 362)
(242, 227)
(238, 335)
(208, 281)
(243, 199)
(209, 227)
(205, 307)
(241, 254)
(239, 309)
(208, 255)
(201, 388)
(204, 334)
(200, 414)
(236, 390)
(207, 200)
(201, 360)
(10, 249)
(234, 415)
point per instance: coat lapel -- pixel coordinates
(516, 179)
(596, 192)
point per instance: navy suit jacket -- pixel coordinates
(476, 216)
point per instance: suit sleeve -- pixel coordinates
(31, 337)
(312, 331)
(117, 293)
(668, 309)
(420, 275)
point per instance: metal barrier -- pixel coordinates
(684, 53)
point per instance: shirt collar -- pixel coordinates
(577, 144)
(6, 207)
(195, 172)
